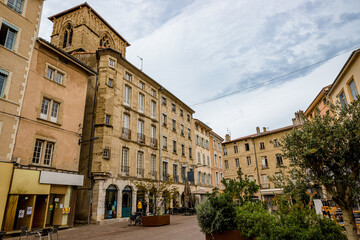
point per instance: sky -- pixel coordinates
(204, 49)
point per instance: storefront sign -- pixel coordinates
(61, 178)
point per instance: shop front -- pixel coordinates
(36, 201)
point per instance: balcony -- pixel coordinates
(140, 172)
(265, 185)
(141, 138)
(153, 142)
(125, 170)
(126, 133)
(176, 178)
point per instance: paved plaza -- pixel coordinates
(181, 227)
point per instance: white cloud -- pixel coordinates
(202, 49)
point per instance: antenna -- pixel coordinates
(141, 63)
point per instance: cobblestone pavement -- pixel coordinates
(181, 227)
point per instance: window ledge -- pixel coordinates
(14, 52)
(45, 120)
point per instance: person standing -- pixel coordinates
(139, 206)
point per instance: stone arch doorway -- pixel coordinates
(111, 202)
(126, 202)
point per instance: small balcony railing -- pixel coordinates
(153, 142)
(140, 172)
(140, 138)
(126, 133)
(125, 170)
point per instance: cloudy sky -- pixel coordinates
(204, 49)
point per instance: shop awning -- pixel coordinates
(61, 178)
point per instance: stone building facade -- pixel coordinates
(19, 26)
(259, 156)
(216, 152)
(134, 128)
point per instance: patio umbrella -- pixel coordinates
(187, 194)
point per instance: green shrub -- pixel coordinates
(216, 214)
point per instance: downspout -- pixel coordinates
(159, 115)
(91, 140)
(257, 167)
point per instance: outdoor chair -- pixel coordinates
(54, 230)
(2, 234)
(25, 232)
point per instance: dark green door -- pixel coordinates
(126, 202)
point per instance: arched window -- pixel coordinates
(105, 41)
(68, 35)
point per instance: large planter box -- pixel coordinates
(155, 221)
(228, 235)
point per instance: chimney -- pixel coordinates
(264, 129)
(299, 118)
(257, 130)
(227, 137)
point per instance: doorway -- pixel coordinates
(126, 202)
(56, 204)
(111, 202)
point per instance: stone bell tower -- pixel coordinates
(81, 28)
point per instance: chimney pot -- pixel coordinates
(264, 129)
(257, 130)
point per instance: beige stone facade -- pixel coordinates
(216, 153)
(19, 25)
(134, 128)
(259, 156)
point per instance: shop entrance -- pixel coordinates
(126, 202)
(56, 204)
(111, 202)
(41, 203)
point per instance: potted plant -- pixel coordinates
(160, 194)
(217, 214)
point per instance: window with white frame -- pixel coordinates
(182, 150)
(152, 132)
(225, 151)
(236, 150)
(204, 161)
(203, 178)
(199, 157)
(153, 109)
(111, 62)
(128, 76)
(107, 119)
(248, 159)
(216, 161)
(173, 107)
(264, 181)
(279, 161)
(153, 92)
(262, 145)
(237, 162)
(3, 76)
(8, 35)
(140, 163)
(106, 153)
(219, 146)
(182, 129)
(141, 102)
(214, 143)
(226, 164)
(164, 120)
(220, 161)
(49, 106)
(110, 82)
(126, 121)
(164, 142)
(140, 127)
(141, 85)
(17, 5)
(43, 152)
(163, 101)
(353, 90)
(264, 162)
(54, 75)
(153, 165)
(127, 95)
(125, 160)
(174, 125)
(198, 178)
(208, 160)
(276, 142)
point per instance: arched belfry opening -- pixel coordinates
(68, 36)
(105, 41)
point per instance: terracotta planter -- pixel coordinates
(228, 235)
(155, 221)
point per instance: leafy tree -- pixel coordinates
(162, 191)
(328, 149)
(241, 188)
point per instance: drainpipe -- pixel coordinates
(91, 139)
(159, 114)
(257, 167)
